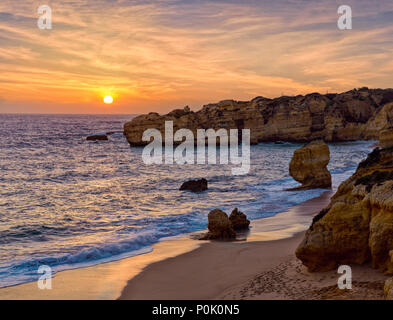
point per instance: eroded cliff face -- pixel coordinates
(357, 226)
(309, 166)
(389, 289)
(353, 115)
(386, 138)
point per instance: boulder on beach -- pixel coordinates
(195, 185)
(220, 227)
(97, 137)
(357, 225)
(309, 166)
(239, 220)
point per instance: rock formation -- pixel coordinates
(309, 166)
(354, 115)
(97, 137)
(239, 220)
(357, 225)
(195, 185)
(386, 138)
(389, 289)
(220, 227)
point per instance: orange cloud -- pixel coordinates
(165, 54)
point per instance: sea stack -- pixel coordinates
(239, 220)
(357, 225)
(220, 227)
(309, 166)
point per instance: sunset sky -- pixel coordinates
(164, 54)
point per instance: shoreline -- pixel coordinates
(216, 266)
(80, 283)
(184, 268)
(263, 267)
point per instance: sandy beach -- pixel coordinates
(196, 150)
(260, 265)
(254, 269)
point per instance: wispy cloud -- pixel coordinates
(155, 55)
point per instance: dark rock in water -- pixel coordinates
(220, 227)
(195, 185)
(278, 142)
(386, 138)
(109, 133)
(96, 137)
(239, 220)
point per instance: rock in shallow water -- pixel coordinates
(357, 226)
(309, 166)
(195, 185)
(223, 228)
(239, 220)
(97, 137)
(220, 227)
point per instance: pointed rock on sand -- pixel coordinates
(223, 228)
(239, 220)
(220, 227)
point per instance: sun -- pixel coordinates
(108, 99)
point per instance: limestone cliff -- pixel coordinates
(353, 115)
(386, 138)
(357, 226)
(309, 166)
(389, 289)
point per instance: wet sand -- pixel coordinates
(260, 265)
(107, 280)
(103, 281)
(260, 268)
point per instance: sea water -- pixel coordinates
(68, 203)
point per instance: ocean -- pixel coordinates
(70, 203)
